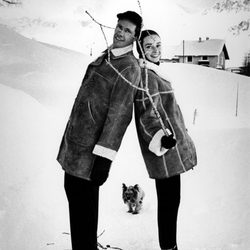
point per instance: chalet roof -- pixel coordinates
(208, 47)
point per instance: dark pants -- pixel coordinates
(168, 194)
(83, 199)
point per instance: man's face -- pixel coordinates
(124, 34)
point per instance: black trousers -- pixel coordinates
(83, 198)
(168, 195)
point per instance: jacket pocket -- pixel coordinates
(192, 150)
(90, 112)
(82, 125)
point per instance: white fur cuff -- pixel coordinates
(104, 152)
(155, 143)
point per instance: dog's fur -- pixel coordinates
(133, 196)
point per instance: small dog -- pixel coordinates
(133, 196)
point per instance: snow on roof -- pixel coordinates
(208, 47)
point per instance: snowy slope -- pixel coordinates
(38, 69)
(213, 93)
(29, 180)
(38, 84)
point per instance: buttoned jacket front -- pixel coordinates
(101, 113)
(178, 159)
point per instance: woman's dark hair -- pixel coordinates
(144, 33)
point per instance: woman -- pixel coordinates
(167, 149)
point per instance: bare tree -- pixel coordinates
(232, 5)
(11, 2)
(235, 6)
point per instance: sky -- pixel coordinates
(65, 23)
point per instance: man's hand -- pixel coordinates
(168, 141)
(100, 170)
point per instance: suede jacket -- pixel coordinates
(101, 112)
(162, 163)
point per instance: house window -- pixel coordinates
(189, 58)
(204, 58)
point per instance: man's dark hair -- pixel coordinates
(134, 18)
(144, 34)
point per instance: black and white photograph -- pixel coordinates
(124, 125)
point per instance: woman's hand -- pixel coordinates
(168, 141)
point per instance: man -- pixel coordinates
(99, 118)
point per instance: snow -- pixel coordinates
(38, 84)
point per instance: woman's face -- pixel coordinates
(152, 48)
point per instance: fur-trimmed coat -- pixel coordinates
(100, 115)
(162, 163)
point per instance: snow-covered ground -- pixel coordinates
(38, 84)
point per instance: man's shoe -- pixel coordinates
(174, 248)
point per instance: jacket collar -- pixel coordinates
(115, 53)
(121, 51)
